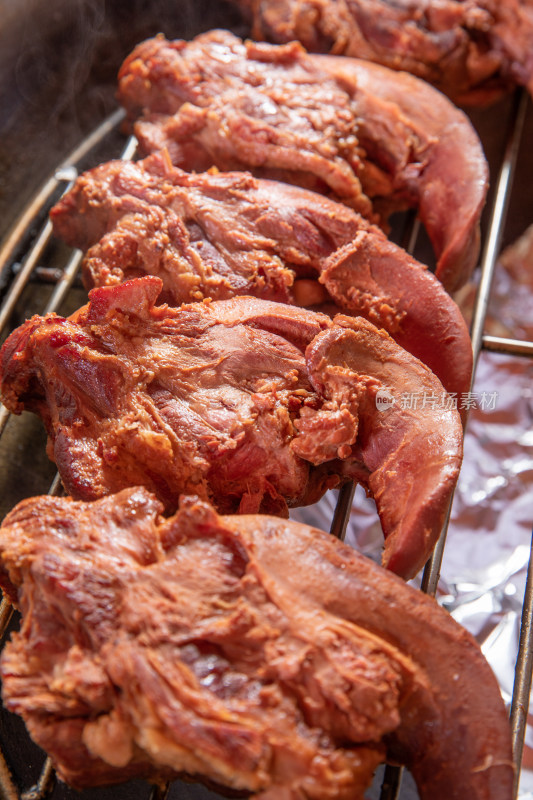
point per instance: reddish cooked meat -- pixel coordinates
(225, 234)
(256, 653)
(391, 445)
(376, 139)
(473, 50)
(252, 404)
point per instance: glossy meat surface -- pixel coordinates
(256, 653)
(473, 50)
(226, 234)
(252, 404)
(376, 139)
(405, 449)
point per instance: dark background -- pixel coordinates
(58, 65)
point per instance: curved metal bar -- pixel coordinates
(65, 282)
(44, 785)
(159, 792)
(23, 275)
(6, 612)
(341, 514)
(522, 683)
(497, 221)
(49, 187)
(392, 782)
(9, 792)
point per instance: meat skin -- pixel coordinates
(259, 654)
(391, 445)
(473, 50)
(376, 139)
(251, 404)
(226, 234)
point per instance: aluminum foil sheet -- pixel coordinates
(489, 538)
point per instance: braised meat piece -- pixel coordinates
(225, 234)
(376, 139)
(259, 654)
(252, 404)
(473, 50)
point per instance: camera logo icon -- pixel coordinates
(384, 400)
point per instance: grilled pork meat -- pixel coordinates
(473, 50)
(225, 234)
(259, 654)
(252, 404)
(376, 139)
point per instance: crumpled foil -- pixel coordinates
(489, 538)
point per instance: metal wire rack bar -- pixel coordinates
(42, 196)
(522, 685)
(498, 217)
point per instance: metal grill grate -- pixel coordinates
(26, 264)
